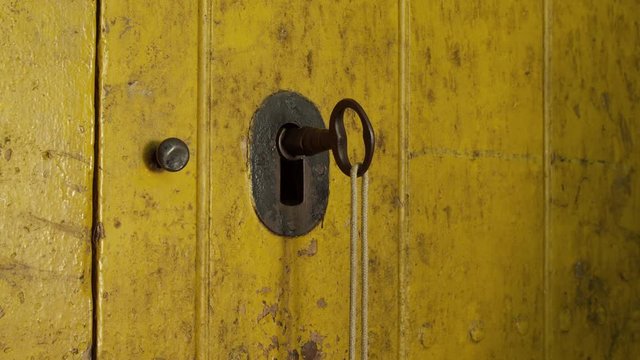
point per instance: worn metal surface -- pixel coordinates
(148, 66)
(172, 154)
(46, 165)
(278, 110)
(594, 182)
(296, 142)
(341, 150)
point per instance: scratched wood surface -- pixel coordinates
(504, 204)
(472, 256)
(594, 185)
(46, 166)
(146, 245)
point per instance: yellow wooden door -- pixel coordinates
(47, 82)
(504, 209)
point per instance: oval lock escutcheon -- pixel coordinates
(289, 195)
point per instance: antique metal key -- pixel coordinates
(295, 142)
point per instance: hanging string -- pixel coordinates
(365, 266)
(353, 314)
(353, 285)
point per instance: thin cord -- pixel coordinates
(365, 267)
(354, 266)
(353, 286)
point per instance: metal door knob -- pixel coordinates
(172, 154)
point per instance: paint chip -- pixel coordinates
(268, 310)
(311, 250)
(321, 303)
(476, 331)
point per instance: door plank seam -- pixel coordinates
(403, 109)
(98, 229)
(546, 98)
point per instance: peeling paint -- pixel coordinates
(268, 310)
(311, 250)
(310, 351)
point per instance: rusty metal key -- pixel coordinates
(296, 142)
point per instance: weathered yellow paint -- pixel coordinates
(487, 238)
(46, 166)
(275, 297)
(504, 201)
(472, 184)
(594, 185)
(148, 66)
(472, 261)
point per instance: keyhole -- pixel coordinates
(291, 177)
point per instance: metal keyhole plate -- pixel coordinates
(285, 214)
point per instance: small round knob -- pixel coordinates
(172, 154)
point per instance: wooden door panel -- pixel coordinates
(277, 297)
(472, 280)
(594, 189)
(503, 199)
(46, 165)
(148, 66)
